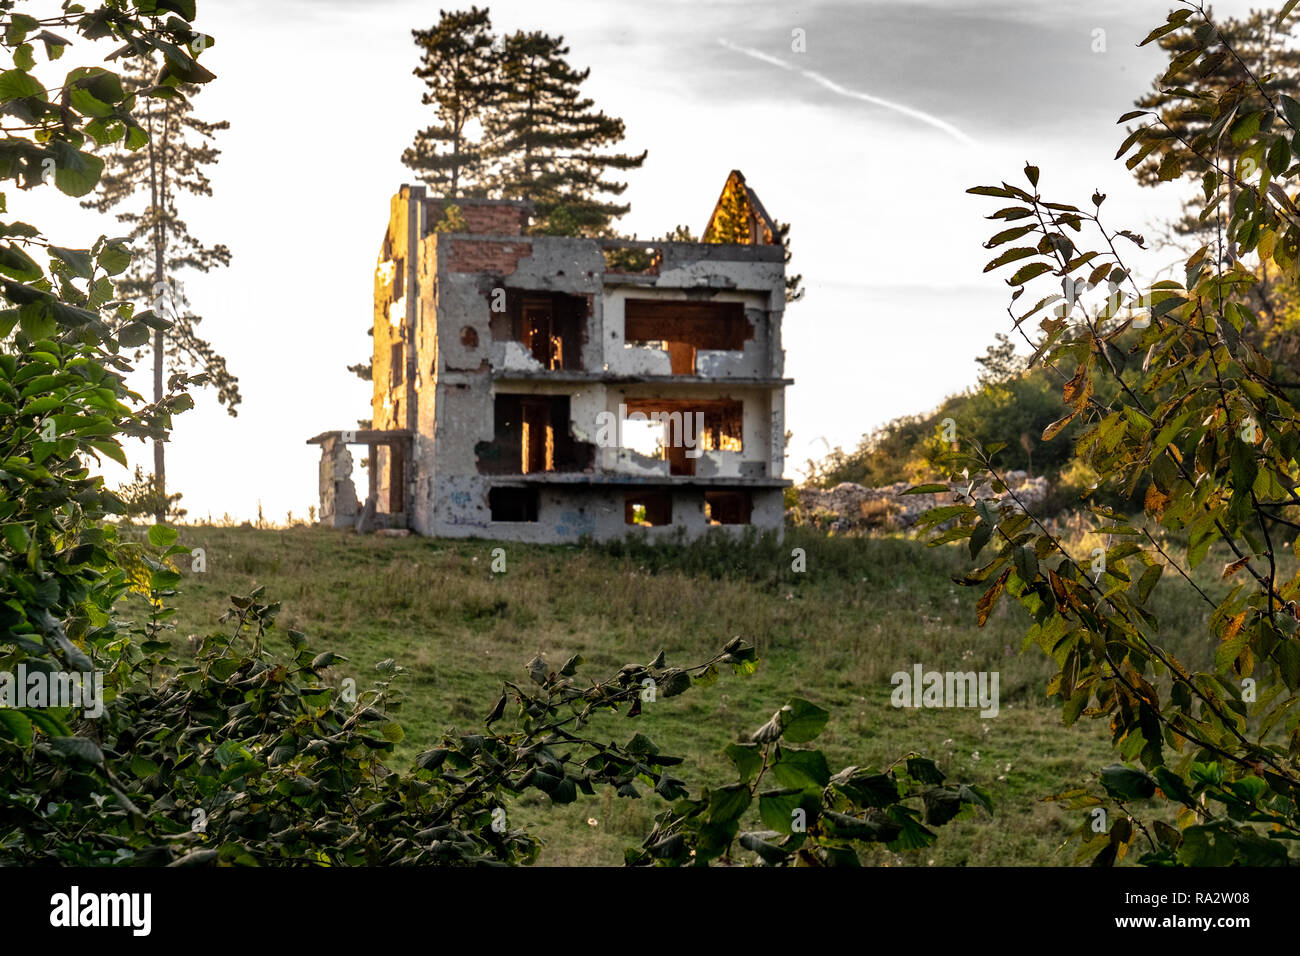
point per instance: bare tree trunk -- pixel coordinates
(159, 463)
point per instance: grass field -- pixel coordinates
(864, 609)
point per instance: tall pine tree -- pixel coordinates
(1240, 52)
(172, 162)
(1243, 57)
(546, 140)
(461, 70)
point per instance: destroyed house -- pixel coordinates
(547, 388)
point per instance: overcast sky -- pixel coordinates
(865, 142)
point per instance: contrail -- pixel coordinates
(834, 87)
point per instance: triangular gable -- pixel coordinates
(739, 216)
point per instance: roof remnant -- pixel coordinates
(739, 217)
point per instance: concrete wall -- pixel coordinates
(568, 514)
(436, 294)
(756, 360)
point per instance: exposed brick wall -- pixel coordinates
(484, 220)
(493, 220)
(502, 258)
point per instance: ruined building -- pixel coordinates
(546, 388)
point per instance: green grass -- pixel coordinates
(864, 609)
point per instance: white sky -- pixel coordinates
(866, 143)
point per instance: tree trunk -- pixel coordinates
(159, 463)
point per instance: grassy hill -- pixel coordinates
(864, 609)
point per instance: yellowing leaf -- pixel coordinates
(1234, 623)
(990, 598)
(1155, 500)
(1054, 429)
(1233, 567)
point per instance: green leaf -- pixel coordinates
(924, 770)
(183, 8)
(768, 852)
(802, 720)
(777, 808)
(1026, 564)
(134, 334)
(931, 489)
(1029, 272)
(728, 803)
(94, 91)
(1010, 255)
(17, 264)
(748, 758)
(1176, 19)
(1291, 109)
(18, 26)
(978, 796)
(991, 191)
(114, 258)
(941, 805)
(16, 726)
(1279, 156)
(47, 721)
(136, 137)
(1148, 581)
(77, 260)
(801, 768)
(161, 536)
(54, 43)
(1211, 845)
(37, 320)
(1245, 466)
(1287, 656)
(75, 173)
(81, 747)
(17, 84)
(16, 536)
(1127, 783)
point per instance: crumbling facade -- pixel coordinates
(547, 389)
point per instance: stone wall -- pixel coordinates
(338, 494)
(851, 507)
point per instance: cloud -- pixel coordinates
(834, 87)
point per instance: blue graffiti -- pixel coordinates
(575, 524)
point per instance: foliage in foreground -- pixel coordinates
(1205, 430)
(248, 757)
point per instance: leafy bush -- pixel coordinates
(812, 818)
(1193, 418)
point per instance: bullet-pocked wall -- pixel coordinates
(516, 362)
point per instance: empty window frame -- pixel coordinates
(682, 328)
(728, 507)
(513, 504)
(552, 326)
(648, 508)
(692, 426)
(532, 434)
